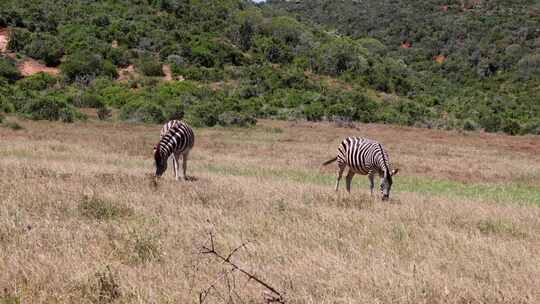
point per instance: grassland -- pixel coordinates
(81, 223)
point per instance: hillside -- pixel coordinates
(81, 223)
(472, 49)
(230, 62)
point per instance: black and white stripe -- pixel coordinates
(167, 126)
(367, 157)
(177, 139)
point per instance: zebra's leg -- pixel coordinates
(184, 164)
(339, 174)
(371, 182)
(349, 180)
(176, 157)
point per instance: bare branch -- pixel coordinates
(273, 296)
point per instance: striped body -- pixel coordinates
(366, 157)
(169, 125)
(363, 156)
(177, 139)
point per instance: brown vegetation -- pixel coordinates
(79, 221)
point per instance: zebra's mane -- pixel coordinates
(384, 161)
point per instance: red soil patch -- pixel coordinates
(406, 45)
(440, 58)
(444, 8)
(168, 73)
(4, 39)
(30, 67)
(127, 73)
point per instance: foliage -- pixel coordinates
(50, 108)
(8, 70)
(87, 65)
(456, 64)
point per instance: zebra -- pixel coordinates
(176, 138)
(367, 157)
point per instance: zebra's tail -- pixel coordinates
(329, 161)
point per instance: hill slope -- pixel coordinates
(244, 61)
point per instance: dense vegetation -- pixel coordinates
(244, 61)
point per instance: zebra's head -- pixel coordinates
(161, 162)
(386, 184)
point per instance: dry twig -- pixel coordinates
(271, 296)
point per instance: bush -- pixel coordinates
(19, 38)
(37, 82)
(104, 113)
(50, 108)
(314, 111)
(231, 118)
(142, 111)
(45, 47)
(470, 125)
(88, 100)
(8, 69)
(199, 73)
(511, 127)
(84, 64)
(5, 105)
(173, 110)
(202, 114)
(150, 66)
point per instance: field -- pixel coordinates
(80, 221)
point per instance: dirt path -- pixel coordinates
(4, 39)
(30, 67)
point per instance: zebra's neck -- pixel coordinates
(385, 168)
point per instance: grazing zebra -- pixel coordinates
(177, 138)
(364, 156)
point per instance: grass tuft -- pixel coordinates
(146, 246)
(500, 227)
(13, 125)
(102, 209)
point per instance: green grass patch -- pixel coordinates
(500, 227)
(510, 192)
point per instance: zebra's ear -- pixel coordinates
(394, 172)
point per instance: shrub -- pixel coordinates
(470, 125)
(199, 73)
(37, 82)
(232, 118)
(511, 127)
(18, 39)
(104, 113)
(50, 108)
(314, 111)
(8, 69)
(173, 110)
(45, 47)
(5, 105)
(202, 114)
(85, 64)
(149, 66)
(88, 100)
(142, 111)
(529, 67)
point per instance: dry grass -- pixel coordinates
(80, 222)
